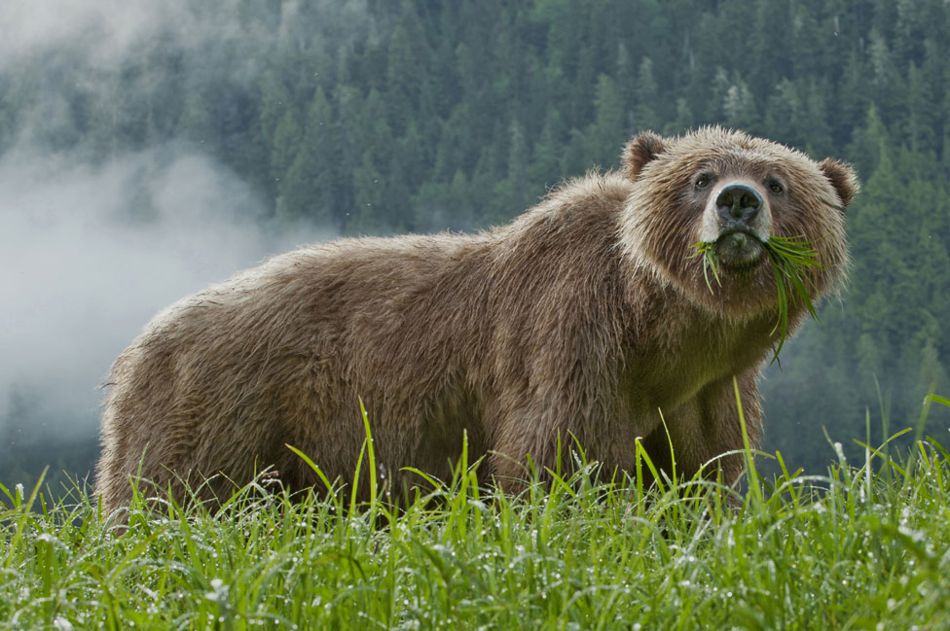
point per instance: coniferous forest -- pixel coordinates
(383, 117)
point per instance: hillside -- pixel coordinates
(384, 117)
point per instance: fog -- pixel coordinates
(102, 34)
(105, 32)
(88, 254)
(93, 243)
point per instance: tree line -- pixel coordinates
(384, 116)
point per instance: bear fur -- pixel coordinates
(588, 315)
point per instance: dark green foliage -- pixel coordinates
(381, 117)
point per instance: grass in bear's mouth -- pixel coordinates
(791, 257)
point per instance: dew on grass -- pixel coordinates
(915, 535)
(219, 591)
(62, 624)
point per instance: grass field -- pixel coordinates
(866, 546)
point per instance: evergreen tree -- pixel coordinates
(647, 98)
(610, 122)
(738, 106)
(513, 190)
(377, 117)
(310, 186)
(544, 168)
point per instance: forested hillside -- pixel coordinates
(383, 116)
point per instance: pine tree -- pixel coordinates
(544, 168)
(609, 129)
(310, 187)
(738, 106)
(513, 190)
(647, 98)
(368, 216)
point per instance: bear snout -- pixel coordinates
(737, 207)
(738, 204)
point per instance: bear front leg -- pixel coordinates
(517, 436)
(706, 427)
(550, 432)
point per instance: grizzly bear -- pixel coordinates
(588, 316)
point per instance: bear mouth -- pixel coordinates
(740, 249)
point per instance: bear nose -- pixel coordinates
(739, 202)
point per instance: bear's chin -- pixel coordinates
(740, 251)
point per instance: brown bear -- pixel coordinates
(588, 315)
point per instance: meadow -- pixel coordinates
(865, 546)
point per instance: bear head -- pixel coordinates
(734, 192)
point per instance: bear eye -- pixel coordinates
(776, 187)
(703, 181)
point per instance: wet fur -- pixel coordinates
(585, 315)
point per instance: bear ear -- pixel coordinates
(641, 150)
(842, 177)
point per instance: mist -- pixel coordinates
(97, 236)
(89, 253)
(106, 33)
(148, 149)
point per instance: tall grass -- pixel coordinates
(865, 546)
